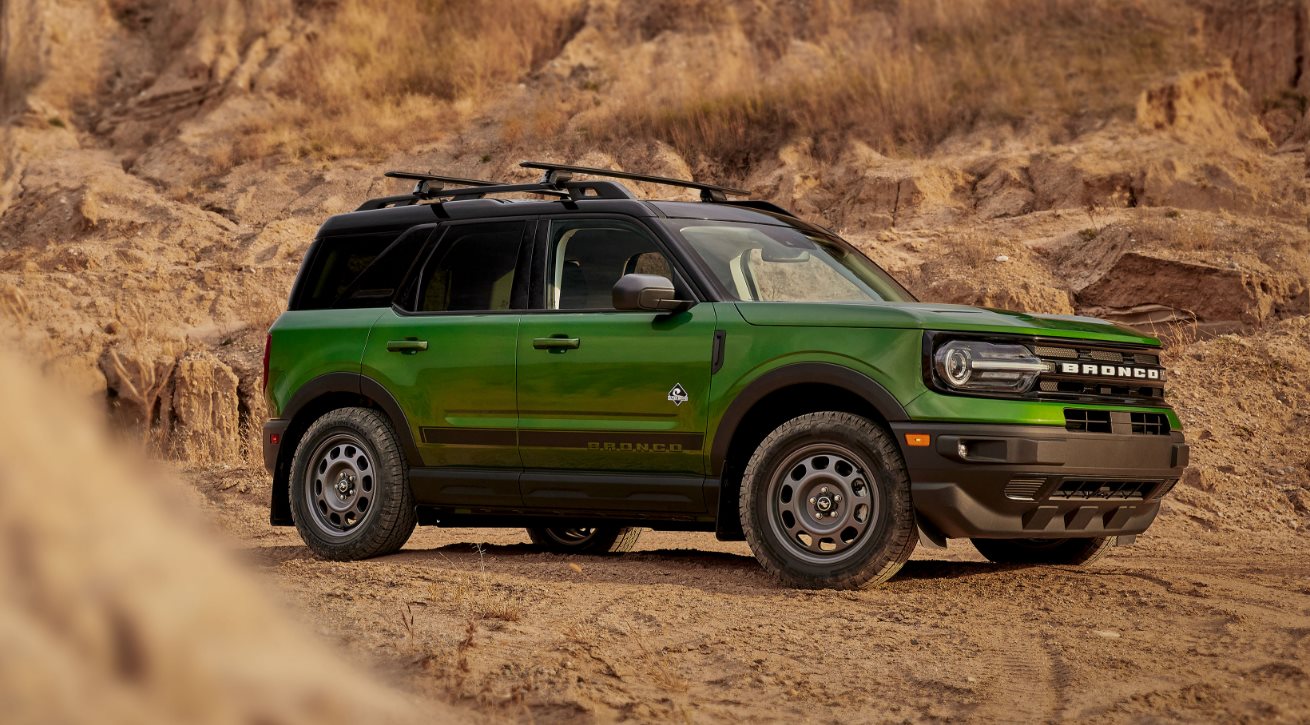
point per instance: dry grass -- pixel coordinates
(479, 598)
(722, 82)
(905, 78)
(378, 76)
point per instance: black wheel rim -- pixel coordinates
(822, 503)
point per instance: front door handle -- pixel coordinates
(557, 343)
(407, 346)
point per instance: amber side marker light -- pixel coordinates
(918, 440)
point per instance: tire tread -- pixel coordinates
(904, 536)
(1072, 552)
(609, 540)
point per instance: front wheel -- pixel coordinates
(585, 540)
(825, 502)
(1043, 551)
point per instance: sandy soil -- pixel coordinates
(1180, 626)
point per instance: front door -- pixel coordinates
(612, 404)
(446, 352)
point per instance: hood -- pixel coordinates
(931, 316)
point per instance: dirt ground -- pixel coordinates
(1179, 626)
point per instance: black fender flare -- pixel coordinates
(353, 384)
(857, 383)
(726, 526)
(363, 386)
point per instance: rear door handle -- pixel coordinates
(407, 346)
(557, 343)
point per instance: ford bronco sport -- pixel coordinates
(588, 364)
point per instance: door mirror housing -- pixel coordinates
(649, 292)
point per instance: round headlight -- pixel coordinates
(976, 365)
(956, 365)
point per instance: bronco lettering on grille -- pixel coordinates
(1109, 371)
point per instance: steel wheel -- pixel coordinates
(565, 539)
(339, 489)
(571, 537)
(825, 502)
(822, 503)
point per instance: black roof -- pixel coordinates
(404, 217)
(438, 198)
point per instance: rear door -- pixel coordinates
(612, 404)
(446, 351)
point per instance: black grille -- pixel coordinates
(1155, 424)
(1085, 489)
(1088, 421)
(1082, 420)
(1114, 379)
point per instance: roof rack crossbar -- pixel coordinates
(479, 191)
(424, 187)
(558, 175)
(433, 186)
(425, 184)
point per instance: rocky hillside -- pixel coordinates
(163, 164)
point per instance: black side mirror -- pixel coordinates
(647, 292)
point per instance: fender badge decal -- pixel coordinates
(678, 395)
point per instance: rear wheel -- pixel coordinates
(825, 502)
(1043, 551)
(585, 540)
(350, 495)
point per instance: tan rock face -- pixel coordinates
(1206, 107)
(1216, 298)
(201, 419)
(186, 406)
(1267, 44)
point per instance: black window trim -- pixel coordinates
(404, 308)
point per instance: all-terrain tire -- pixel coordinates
(1043, 551)
(357, 449)
(811, 477)
(593, 540)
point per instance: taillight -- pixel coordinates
(268, 349)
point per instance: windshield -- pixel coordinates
(766, 263)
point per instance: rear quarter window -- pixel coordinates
(356, 270)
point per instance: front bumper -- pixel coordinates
(1015, 481)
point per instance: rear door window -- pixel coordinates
(473, 269)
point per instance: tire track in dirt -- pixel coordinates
(1027, 679)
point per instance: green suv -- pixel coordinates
(586, 364)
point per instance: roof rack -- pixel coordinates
(559, 176)
(557, 181)
(432, 186)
